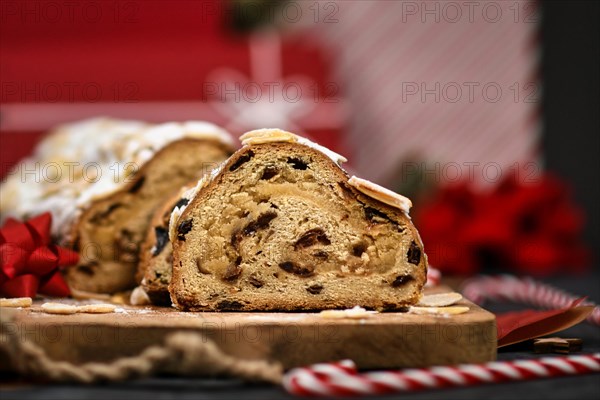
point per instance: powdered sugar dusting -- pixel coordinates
(95, 158)
(270, 135)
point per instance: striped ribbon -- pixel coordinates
(343, 379)
(434, 276)
(522, 290)
(422, 77)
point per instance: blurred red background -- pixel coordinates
(159, 61)
(67, 60)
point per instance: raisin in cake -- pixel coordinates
(281, 226)
(110, 176)
(156, 253)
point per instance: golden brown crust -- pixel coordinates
(156, 255)
(109, 232)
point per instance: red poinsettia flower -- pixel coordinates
(29, 262)
(529, 228)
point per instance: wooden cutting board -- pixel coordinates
(381, 340)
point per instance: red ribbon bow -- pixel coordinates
(29, 262)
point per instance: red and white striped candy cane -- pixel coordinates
(522, 290)
(343, 379)
(433, 276)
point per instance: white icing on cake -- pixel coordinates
(94, 158)
(270, 135)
